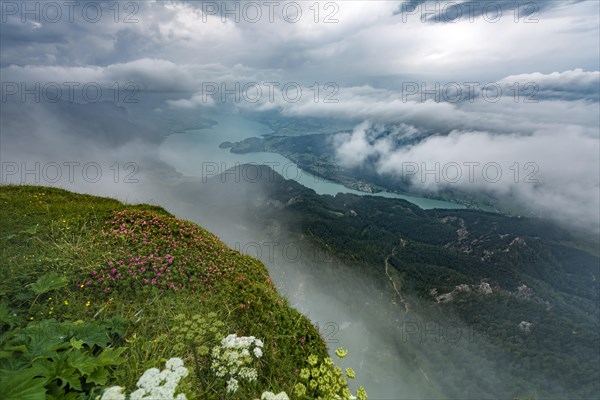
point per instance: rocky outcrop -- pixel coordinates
(524, 292)
(525, 326)
(485, 288)
(482, 288)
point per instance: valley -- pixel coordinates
(479, 276)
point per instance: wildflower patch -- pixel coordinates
(166, 253)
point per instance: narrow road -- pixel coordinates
(387, 266)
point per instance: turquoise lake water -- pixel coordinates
(196, 153)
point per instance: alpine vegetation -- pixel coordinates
(117, 300)
(154, 384)
(233, 359)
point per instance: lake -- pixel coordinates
(196, 153)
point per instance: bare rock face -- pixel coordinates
(485, 288)
(293, 201)
(524, 292)
(525, 326)
(445, 298)
(463, 288)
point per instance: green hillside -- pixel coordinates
(95, 292)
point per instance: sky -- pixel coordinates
(488, 82)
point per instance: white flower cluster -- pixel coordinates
(154, 384)
(113, 393)
(273, 396)
(233, 358)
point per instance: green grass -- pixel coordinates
(83, 238)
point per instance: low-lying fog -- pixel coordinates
(396, 355)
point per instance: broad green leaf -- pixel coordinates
(111, 356)
(43, 338)
(98, 377)
(24, 296)
(48, 282)
(22, 385)
(91, 334)
(58, 369)
(83, 362)
(71, 377)
(76, 344)
(69, 396)
(14, 363)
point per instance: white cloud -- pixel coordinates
(368, 53)
(573, 84)
(150, 74)
(553, 173)
(197, 100)
(368, 40)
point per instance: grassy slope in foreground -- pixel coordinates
(134, 269)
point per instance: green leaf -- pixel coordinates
(57, 369)
(76, 344)
(68, 396)
(24, 296)
(13, 363)
(48, 282)
(111, 356)
(117, 325)
(42, 339)
(4, 313)
(91, 334)
(22, 348)
(83, 362)
(99, 377)
(71, 377)
(22, 385)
